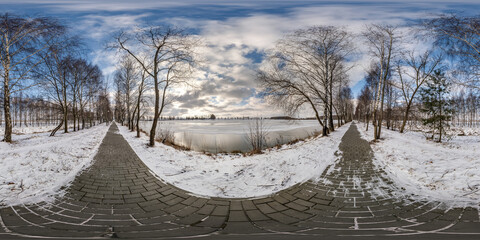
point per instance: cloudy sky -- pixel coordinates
(236, 32)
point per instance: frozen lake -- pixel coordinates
(218, 136)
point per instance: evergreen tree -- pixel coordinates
(436, 105)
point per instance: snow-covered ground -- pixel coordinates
(454, 129)
(236, 176)
(466, 131)
(36, 166)
(28, 130)
(447, 172)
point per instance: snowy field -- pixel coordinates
(235, 176)
(448, 172)
(36, 166)
(465, 131)
(457, 130)
(217, 136)
(30, 129)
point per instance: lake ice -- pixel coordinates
(217, 136)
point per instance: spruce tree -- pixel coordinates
(436, 105)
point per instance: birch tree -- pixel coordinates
(126, 78)
(140, 91)
(21, 41)
(166, 54)
(382, 42)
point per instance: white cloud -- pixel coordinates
(229, 75)
(99, 27)
(229, 41)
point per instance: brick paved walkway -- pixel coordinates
(118, 196)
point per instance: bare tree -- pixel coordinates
(166, 54)
(140, 91)
(305, 67)
(364, 105)
(286, 91)
(71, 82)
(92, 80)
(81, 73)
(104, 112)
(413, 71)
(344, 105)
(341, 98)
(125, 80)
(382, 41)
(55, 70)
(459, 37)
(21, 40)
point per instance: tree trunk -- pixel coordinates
(380, 119)
(65, 106)
(155, 115)
(20, 109)
(339, 124)
(381, 104)
(8, 117)
(325, 119)
(368, 122)
(375, 108)
(65, 120)
(6, 102)
(128, 110)
(405, 118)
(131, 121)
(374, 123)
(74, 113)
(82, 113)
(56, 129)
(138, 121)
(330, 109)
(440, 123)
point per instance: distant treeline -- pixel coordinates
(166, 118)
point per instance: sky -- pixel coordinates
(236, 33)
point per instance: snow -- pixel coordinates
(448, 172)
(32, 128)
(455, 129)
(36, 166)
(465, 131)
(234, 175)
(28, 130)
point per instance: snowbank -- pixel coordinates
(36, 166)
(447, 172)
(235, 176)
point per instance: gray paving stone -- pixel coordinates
(213, 222)
(470, 215)
(220, 211)
(241, 228)
(237, 216)
(256, 215)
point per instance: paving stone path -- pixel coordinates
(118, 196)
